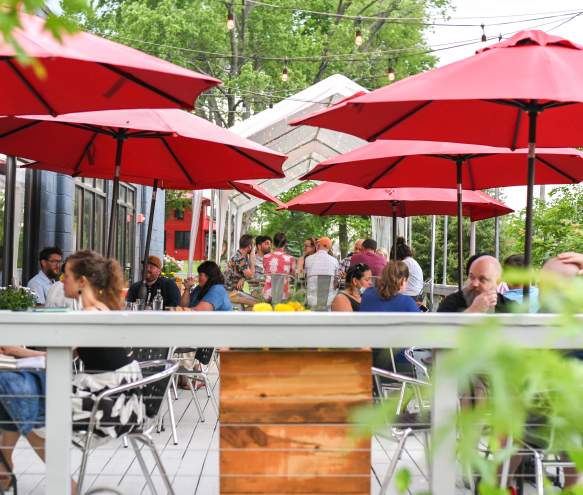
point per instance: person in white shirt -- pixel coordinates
(51, 259)
(320, 263)
(415, 282)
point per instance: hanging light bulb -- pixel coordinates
(500, 37)
(484, 39)
(285, 73)
(358, 35)
(391, 74)
(230, 21)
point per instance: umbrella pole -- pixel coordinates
(112, 234)
(394, 233)
(445, 227)
(150, 227)
(532, 118)
(432, 272)
(460, 240)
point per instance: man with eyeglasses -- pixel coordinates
(50, 259)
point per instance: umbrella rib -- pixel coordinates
(317, 170)
(21, 128)
(234, 186)
(557, 169)
(471, 174)
(85, 150)
(328, 208)
(385, 172)
(178, 162)
(87, 127)
(399, 121)
(258, 162)
(30, 87)
(144, 84)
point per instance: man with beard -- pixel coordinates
(155, 282)
(479, 294)
(50, 259)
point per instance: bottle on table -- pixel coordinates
(158, 301)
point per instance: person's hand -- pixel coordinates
(240, 284)
(574, 258)
(189, 283)
(484, 302)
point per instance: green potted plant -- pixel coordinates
(17, 298)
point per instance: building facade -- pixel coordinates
(73, 213)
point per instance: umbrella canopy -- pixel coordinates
(163, 148)
(86, 72)
(247, 188)
(434, 164)
(331, 198)
(525, 91)
(485, 98)
(177, 148)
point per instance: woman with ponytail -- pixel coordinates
(96, 282)
(405, 254)
(388, 293)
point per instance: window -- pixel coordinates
(126, 229)
(181, 239)
(179, 214)
(89, 219)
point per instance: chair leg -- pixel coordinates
(393, 465)
(196, 402)
(539, 473)
(209, 392)
(147, 441)
(83, 466)
(426, 440)
(142, 463)
(124, 439)
(174, 389)
(172, 418)
(401, 398)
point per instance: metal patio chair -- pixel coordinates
(153, 385)
(322, 292)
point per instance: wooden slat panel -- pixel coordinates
(282, 485)
(309, 437)
(284, 422)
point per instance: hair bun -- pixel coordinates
(400, 241)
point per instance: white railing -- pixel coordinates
(61, 332)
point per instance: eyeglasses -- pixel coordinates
(57, 262)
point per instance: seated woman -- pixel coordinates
(96, 283)
(358, 279)
(210, 293)
(388, 296)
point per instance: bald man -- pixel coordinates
(479, 294)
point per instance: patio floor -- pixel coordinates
(193, 464)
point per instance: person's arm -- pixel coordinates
(300, 265)
(185, 298)
(203, 306)
(131, 296)
(341, 303)
(20, 352)
(38, 290)
(483, 302)
(574, 258)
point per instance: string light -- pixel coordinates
(484, 39)
(285, 73)
(358, 36)
(391, 73)
(230, 21)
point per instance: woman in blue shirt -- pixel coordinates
(210, 293)
(387, 295)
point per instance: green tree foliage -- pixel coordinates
(557, 225)
(299, 226)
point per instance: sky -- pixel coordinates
(486, 12)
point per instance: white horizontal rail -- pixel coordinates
(283, 330)
(60, 332)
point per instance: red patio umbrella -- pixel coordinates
(245, 187)
(86, 72)
(332, 198)
(522, 92)
(163, 148)
(436, 164)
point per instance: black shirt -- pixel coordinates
(97, 359)
(456, 303)
(168, 289)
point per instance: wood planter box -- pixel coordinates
(284, 422)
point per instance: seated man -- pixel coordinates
(320, 263)
(479, 295)
(239, 269)
(154, 283)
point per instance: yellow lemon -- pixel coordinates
(262, 307)
(284, 307)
